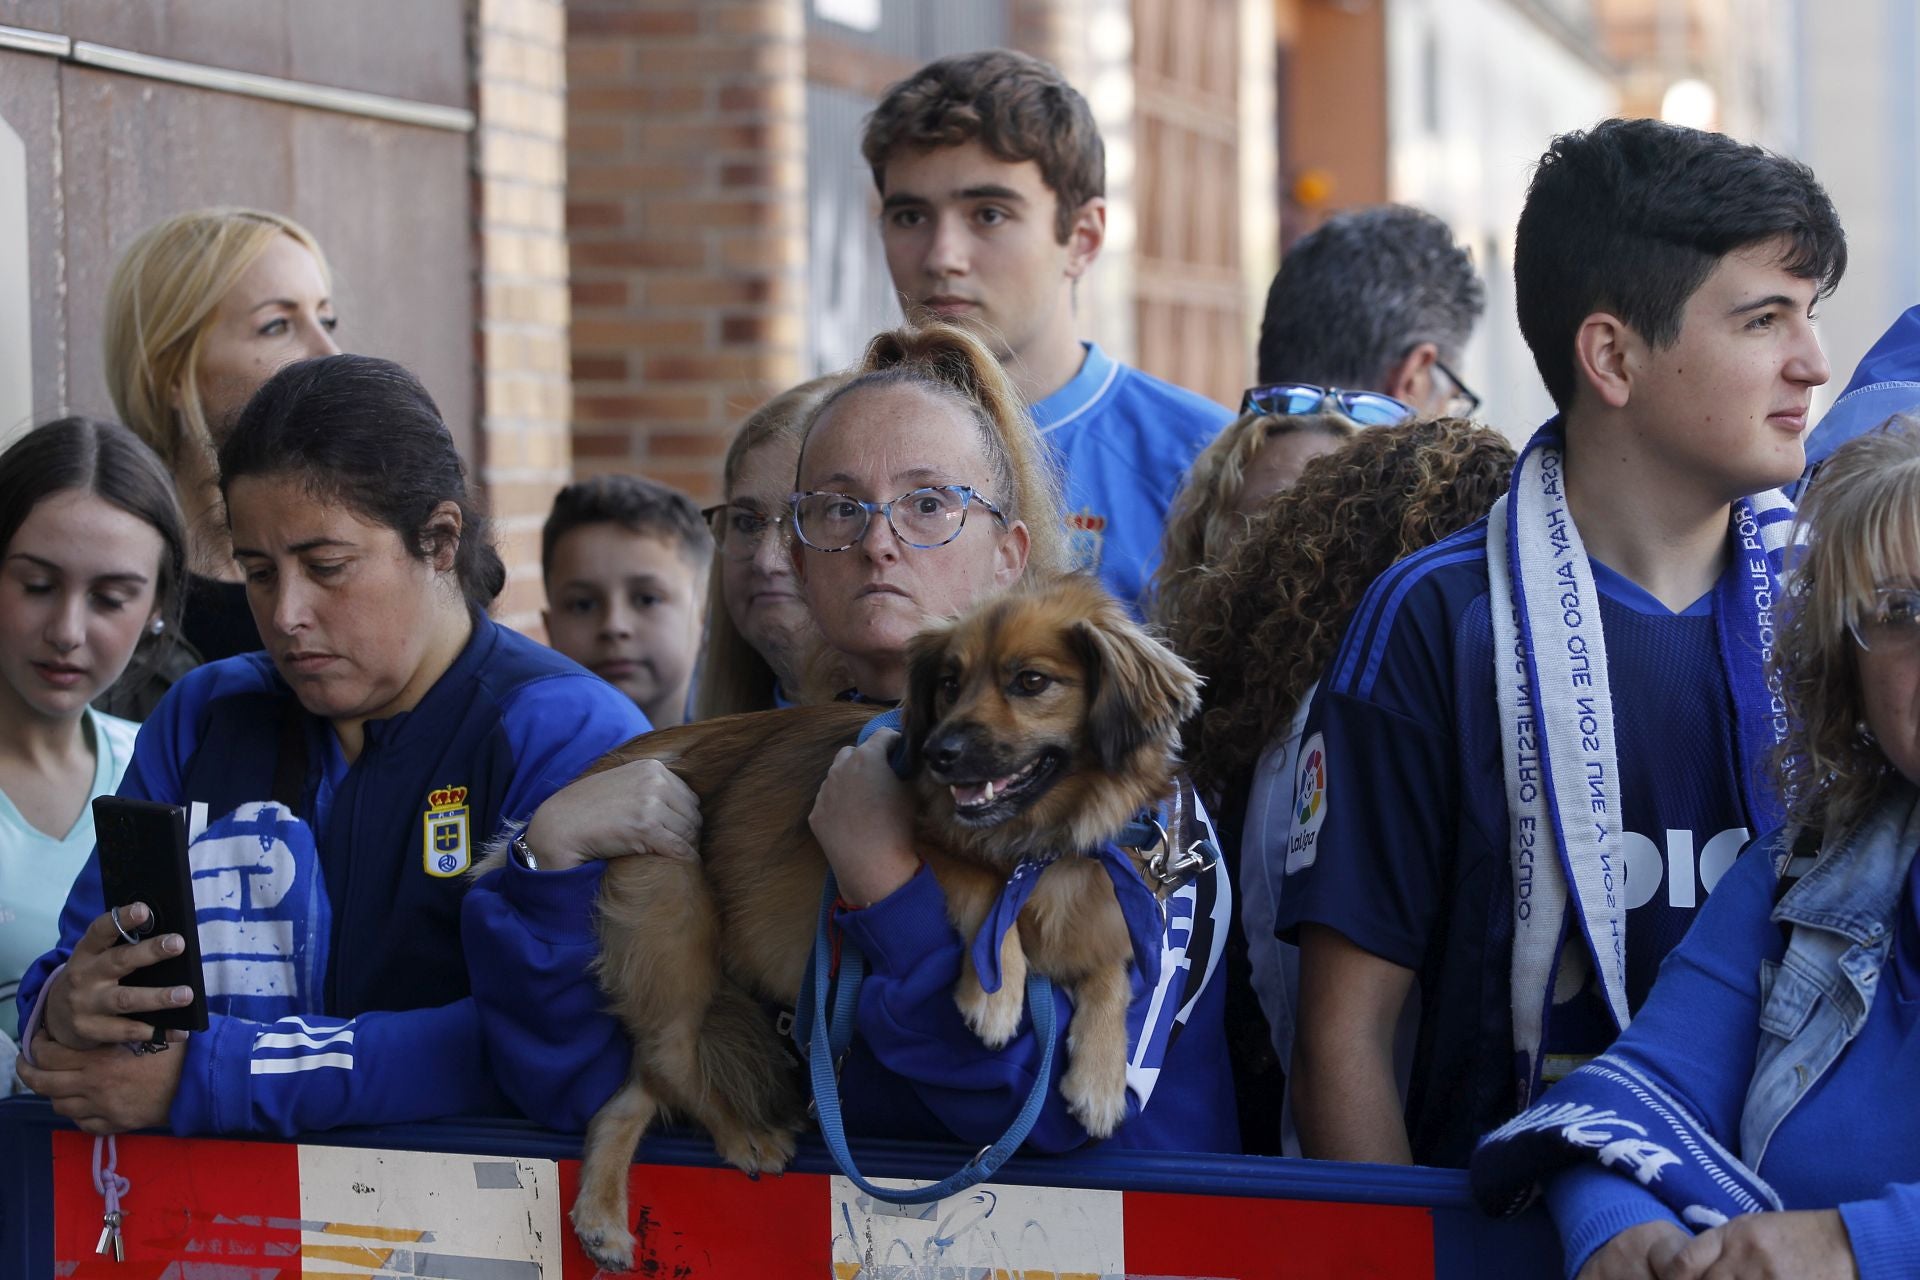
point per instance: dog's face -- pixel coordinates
(1040, 716)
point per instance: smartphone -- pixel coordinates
(143, 858)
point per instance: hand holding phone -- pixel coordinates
(120, 991)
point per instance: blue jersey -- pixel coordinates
(915, 1070)
(1400, 825)
(1126, 440)
(328, 896)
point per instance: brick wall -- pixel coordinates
(522, 345)
(686, 205)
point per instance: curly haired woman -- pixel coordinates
(1262, 623)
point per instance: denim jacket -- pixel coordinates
(1815, 999)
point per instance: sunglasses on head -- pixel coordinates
(1295, 399)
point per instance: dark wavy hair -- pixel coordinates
(1261, 626)
(363, 432)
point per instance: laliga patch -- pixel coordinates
(1309, 804)
(446, 849)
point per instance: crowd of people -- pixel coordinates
(1550, 784)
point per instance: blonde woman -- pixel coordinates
(759, 633)
(203, 308)
(1254, 457)
(1780, 1038)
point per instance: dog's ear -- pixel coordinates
(1138, 690)
(925, 654)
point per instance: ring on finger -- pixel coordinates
(131, 939)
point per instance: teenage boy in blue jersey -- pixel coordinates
(1543, 739)
(992, 181)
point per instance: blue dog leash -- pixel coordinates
(827, 1035)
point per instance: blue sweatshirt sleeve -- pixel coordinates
(528, 935)
(1695, 1038)
(530, 942)
(308, 1072)
(908, 1021)
(1885, 1233)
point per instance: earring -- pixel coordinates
(155, 627)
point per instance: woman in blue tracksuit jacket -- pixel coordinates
(1787, 1024)
(929, 408)
(338, 785)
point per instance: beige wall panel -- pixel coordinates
(404, 48)
(388, 202)
(29, 103)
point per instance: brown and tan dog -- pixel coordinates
(1039, 723)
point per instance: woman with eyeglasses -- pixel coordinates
(1281, 428)
(761, 641)
(922, 490)
(1779, 1043)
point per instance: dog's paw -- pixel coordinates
(993, 1017)
(603, 1239)
(1096, 1096)
(758, 1151)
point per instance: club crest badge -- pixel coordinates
(446, 848)
(1086, 538)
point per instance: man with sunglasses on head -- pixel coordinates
(1543, 739)
(1376, 299)
(992, 181)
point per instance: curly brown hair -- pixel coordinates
(1858, 529)
(1205, 518)
(1261, 626)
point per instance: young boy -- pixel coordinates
(625, 562)
(992, 179)
(1544, 739)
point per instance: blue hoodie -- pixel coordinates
(1887, 382)
(330, 933)
(915, 1070)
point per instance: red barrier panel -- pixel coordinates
(488, 1201)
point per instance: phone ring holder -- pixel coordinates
(130, 939)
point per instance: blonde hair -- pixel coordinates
(951, 363)
(1858, 530)
(1202, 525)
(733, 675)
(159, 304)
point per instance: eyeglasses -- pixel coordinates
(739, 530)
(1463, 403)
(1293, 399)
(1893, 625)
(922, 518)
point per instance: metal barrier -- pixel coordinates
(487, 1200)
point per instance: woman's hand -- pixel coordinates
(863, 819)
(1804, 1245)
(638, 807)
(86, 1005)
(1638, 1253)
(105, 1090)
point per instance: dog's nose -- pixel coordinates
(944, 751)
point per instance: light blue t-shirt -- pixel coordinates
(1126, 440)
(37, 870)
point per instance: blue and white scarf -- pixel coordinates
(1557, 730)
(1611, 1114)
